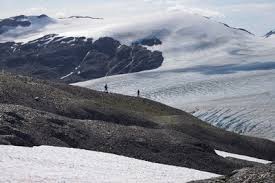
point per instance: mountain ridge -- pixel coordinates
(79, 16)
(73, 59)
(269, 34)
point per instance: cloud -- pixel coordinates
(36, 10)
(185, 6)
(60, 14)
(203, 12)
(253, 8)
(254, 15)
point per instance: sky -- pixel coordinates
(256, 16)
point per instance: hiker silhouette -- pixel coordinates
(106, 88)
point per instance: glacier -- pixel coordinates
(221, 74)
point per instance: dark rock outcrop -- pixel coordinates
(269, 34)
(73, 59)
(258, 174)
(148, 42)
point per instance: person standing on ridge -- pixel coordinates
(106, 88)
(138, 93)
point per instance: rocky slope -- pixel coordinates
(72, 59)
(263, 173)
(37, 113)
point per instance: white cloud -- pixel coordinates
(36, 10)
(203, 12)
(60, 14)
(185, 6)
(253, 7)
(250, 14)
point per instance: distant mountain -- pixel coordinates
(150, 41)
(240, 29)
(88, 17)
(19, 25)
(10, 23)
(269, 34)
(73, 59)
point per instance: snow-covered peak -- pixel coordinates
(176, 25)
(55, 39)
(130, 29)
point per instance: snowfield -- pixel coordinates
(242, 157)
(55, 164)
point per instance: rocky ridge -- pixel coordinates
(74, 59)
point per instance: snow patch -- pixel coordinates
(68, 75)
(242, 157)
(55, 164)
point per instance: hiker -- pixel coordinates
(106, 88)
(138, 93)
